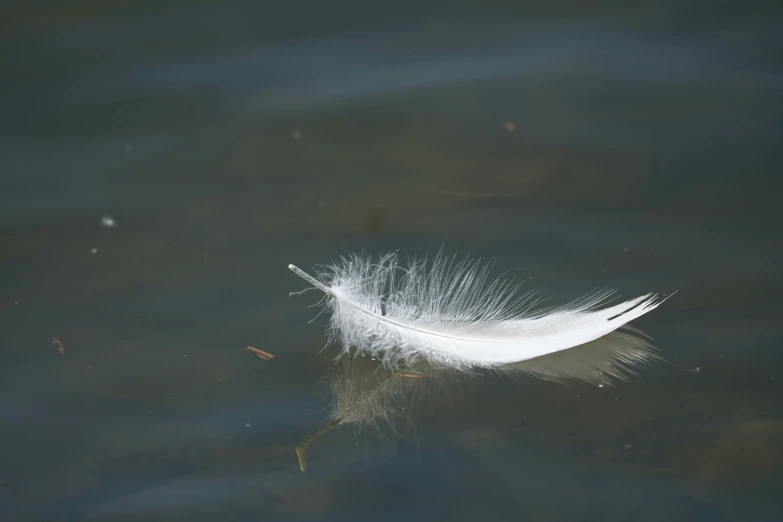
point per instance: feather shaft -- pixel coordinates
(310, 279)
(301, 448)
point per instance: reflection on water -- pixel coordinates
(366, 395)
(230, 139)
(618, 355)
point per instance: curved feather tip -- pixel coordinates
(447, 312)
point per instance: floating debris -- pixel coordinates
(409, 375)
(509, 126)
(108, 222)
(693, 370)
(296, 134)
(260, 353)
(93, 251)
(60, 346)
(628, 446)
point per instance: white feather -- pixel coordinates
(446, 312)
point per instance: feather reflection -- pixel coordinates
(369, 397)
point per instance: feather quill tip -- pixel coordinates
(310, 279)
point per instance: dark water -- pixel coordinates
(228, 139)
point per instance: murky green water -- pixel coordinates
(229, 139)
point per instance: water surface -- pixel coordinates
(229, 139)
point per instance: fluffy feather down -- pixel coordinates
(447, 312)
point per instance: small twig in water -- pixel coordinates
(60, 346)
(260, 353)
(409, 375)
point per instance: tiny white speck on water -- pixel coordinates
(247, 425)
(625, 249)
(186, 355)
(16, 302)
(296, 134)
(93, 251)
(628, 446)
(108, 222)
(600, 385)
